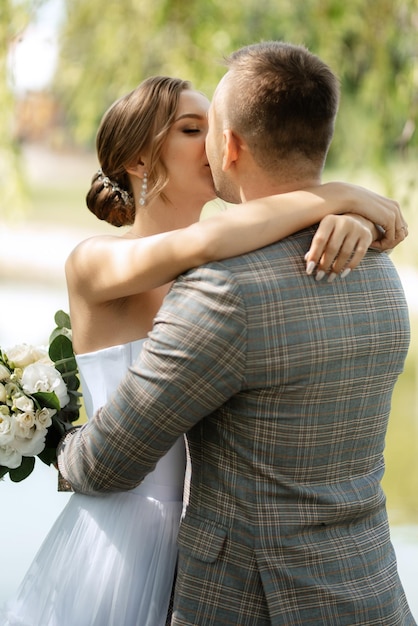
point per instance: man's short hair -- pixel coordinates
(282, 101)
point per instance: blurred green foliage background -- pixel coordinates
(106, 49)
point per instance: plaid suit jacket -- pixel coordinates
(284, 387)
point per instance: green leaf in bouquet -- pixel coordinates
(55, 433)
(74, 397)
(71, 411)
(58, 332)
(69, 415)
(63, 323)
(48, 455)
(3, 471)
(61, 348)
(23, 471)
(61, 352)
(47, 399)
(73, 405)
(62, 319)
(73, 383)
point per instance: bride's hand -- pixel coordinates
(378, 209)
(339, 245)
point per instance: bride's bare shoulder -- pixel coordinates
(88, 254)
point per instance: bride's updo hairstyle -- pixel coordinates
(135, 126)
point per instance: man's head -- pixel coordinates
(279, 102)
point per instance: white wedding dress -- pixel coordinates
(108, 560)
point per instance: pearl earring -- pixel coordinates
(144, 189)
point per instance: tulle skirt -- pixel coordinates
(107, 561)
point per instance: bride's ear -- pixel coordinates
(137, 170)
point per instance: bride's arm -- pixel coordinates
(107, 268)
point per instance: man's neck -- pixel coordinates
(267, 187)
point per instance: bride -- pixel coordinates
(110, 559)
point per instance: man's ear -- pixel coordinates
(231, 149)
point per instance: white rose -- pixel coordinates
(24, 404)
(23, 430)
(7, 429)
(42, 377)
(33, 445)
(4, 372)
(9, 457)
(43, 417)
(26, 419)
(24, 354)
(12, 390)
(3, 393)
(17, 374)
(4, 410)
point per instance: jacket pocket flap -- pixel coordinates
(201, 539)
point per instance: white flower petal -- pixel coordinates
(10, 457)
(33, 446)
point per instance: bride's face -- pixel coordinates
(184, 152)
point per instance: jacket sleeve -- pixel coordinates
(192, 362)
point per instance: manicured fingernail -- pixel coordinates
(306, 255)
(320, 275)
(310, 267)
(332, 277)
(345, 272)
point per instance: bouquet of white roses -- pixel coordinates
(39, 400)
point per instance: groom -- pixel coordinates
(282, 384)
